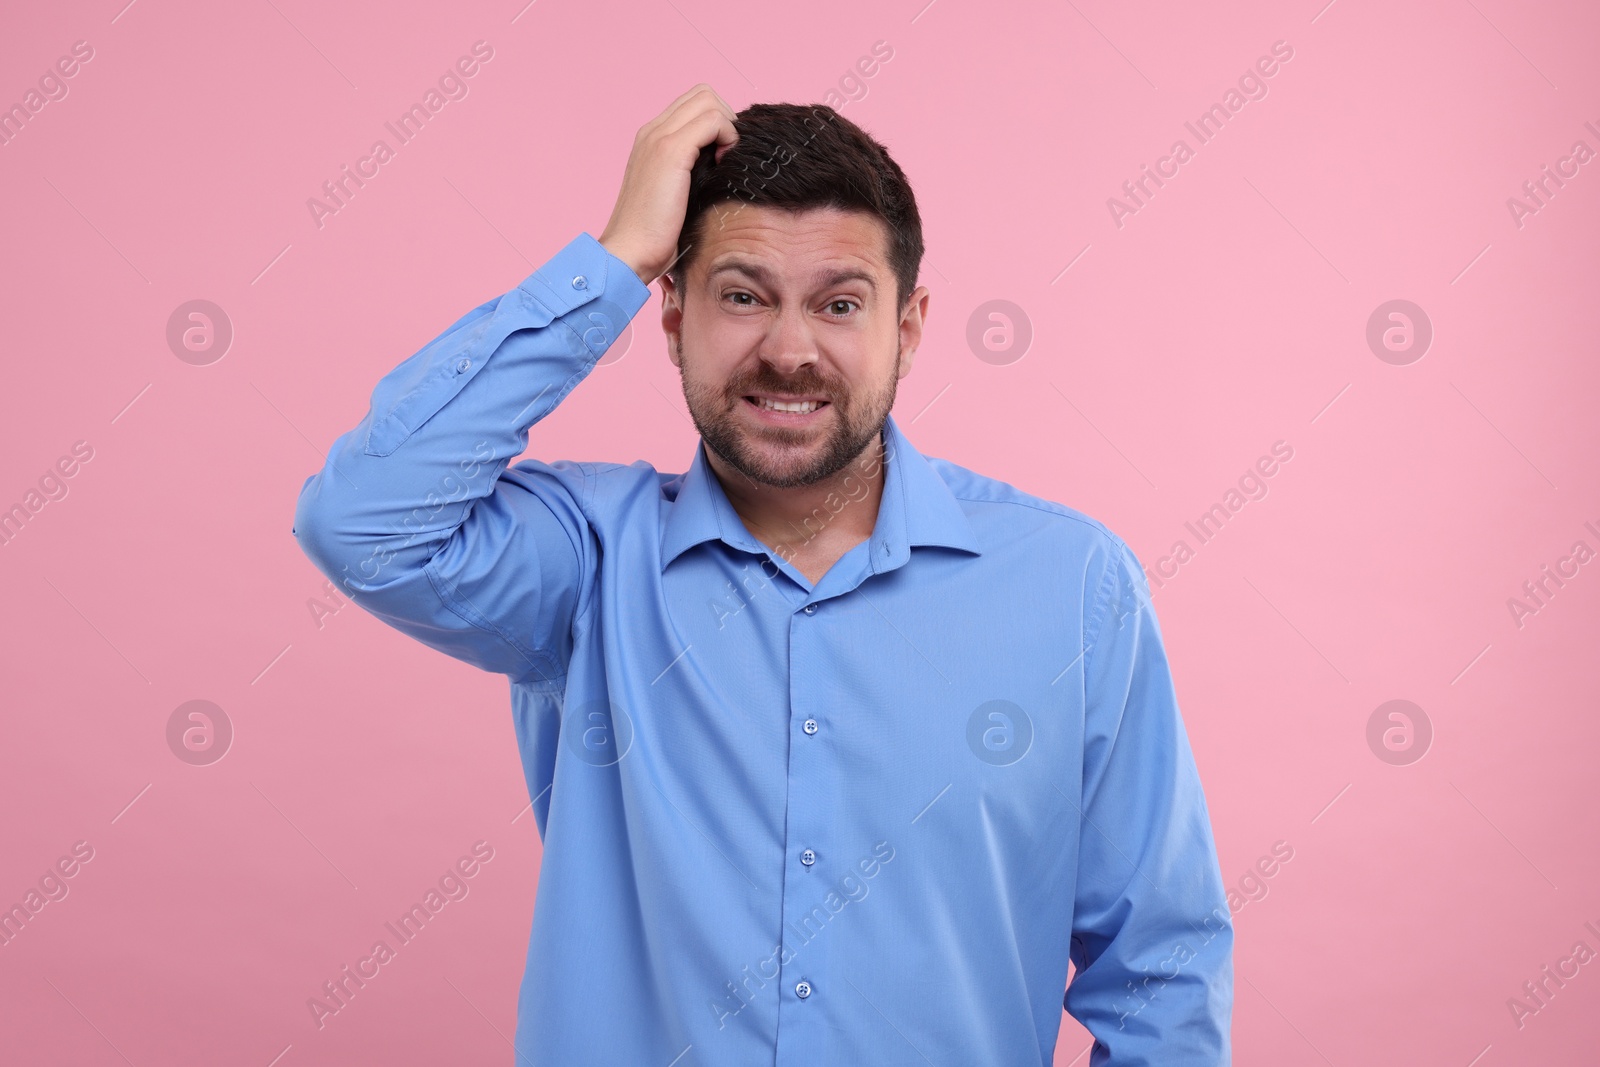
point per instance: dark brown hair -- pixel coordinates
(799, 156)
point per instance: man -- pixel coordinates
(839, 753)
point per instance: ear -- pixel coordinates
(911, 323)
(671, 318)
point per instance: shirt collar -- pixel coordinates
(917, 509)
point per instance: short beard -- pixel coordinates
(857, 422)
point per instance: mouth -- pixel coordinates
(786, 411)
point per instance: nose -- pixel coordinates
(789, 344)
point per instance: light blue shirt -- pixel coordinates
(861, 821)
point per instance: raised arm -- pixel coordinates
(416, 515)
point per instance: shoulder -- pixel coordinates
(996, 506)
(1056, 539)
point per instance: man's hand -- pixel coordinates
(645, 224)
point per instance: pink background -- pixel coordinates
(1228, 313)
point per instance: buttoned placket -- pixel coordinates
(810, 792)
(811, 860)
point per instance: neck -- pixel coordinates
(840, 509)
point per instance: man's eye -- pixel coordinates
(839, 309)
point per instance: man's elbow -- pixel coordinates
(324, 529)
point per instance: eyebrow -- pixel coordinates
(825, 279)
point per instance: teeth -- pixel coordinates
(796, 406)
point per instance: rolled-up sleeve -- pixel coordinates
(1152, 937)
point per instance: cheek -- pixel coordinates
(704, 367)
(721, 349)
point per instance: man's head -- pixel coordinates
(795, 277)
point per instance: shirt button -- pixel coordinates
(802, 989)
(580, 282)
(808, 857)
(810, 726)
(809, 608)
(463, 365)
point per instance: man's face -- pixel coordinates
(785, 305)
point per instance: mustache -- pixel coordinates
(804, 386)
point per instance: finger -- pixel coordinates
(724, 144)
(727, 135)
(671, 109)
(715, 99)
(705, 127)
(732, 115)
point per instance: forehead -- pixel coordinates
(793, 244)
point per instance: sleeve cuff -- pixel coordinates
(581, 272)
